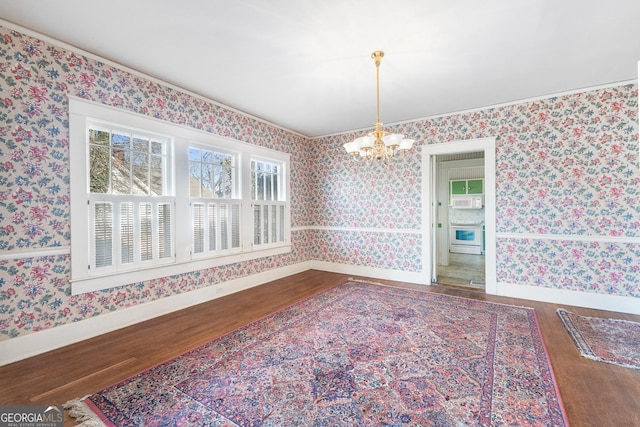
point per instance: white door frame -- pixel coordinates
(429, 196)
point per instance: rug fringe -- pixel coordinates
(81, 412)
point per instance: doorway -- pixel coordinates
(460, 243)
(440, 163)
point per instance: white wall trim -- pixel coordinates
(373, 272)
(25, 346)
(570, 297)
(34, 253)
(569, 237)
(360, 229)
(493, 106)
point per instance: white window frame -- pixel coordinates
(137, 201)
(269, 204)
(81, 113)
(230, 203)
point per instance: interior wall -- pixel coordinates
(567, 188)
(567, 193)
(35, 78)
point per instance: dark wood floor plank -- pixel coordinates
(594, 393)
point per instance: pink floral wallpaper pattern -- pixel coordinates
(565, 166)
(35, 78)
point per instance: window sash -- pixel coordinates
(124, 161)
(216, 225)
(268, 223)
(129, 232)
(267, 180)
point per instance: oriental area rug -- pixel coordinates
(615, 341)
(359, 354)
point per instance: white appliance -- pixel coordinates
(465, 237)
(466, 202)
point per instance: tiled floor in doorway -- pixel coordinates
(463, 270)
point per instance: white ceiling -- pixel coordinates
(305, 65)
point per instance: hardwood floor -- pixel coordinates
(594, 394)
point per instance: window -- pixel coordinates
(130, 210)
(268, 203)
(150, 199)
(215, 204)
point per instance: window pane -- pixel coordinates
(157, 176)
(194, 179)
(103, 233)
(275, 187)
(217, 180)
(126, 233)
(194, 154)
(260, 186)
(140, 144)
(165, 243)
(99, 169)
(267, 186)
(157, 147)
(253, 180)
(99, 137)
(207, 180)
(120, 141)
(207, 156)
(227, 182)
(253, 185)
(198, 228)
(121, 171)
(146, 232)
(218, 159)
(140, 168)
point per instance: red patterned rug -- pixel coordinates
(359, 354)
(615, 341)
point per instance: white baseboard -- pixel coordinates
(569, 297)
(25, 346)
(376, 273)
(555, 296)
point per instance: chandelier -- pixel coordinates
(378, 144)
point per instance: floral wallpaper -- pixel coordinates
(35, 79)
(368, 249)
(565, 166)
(600, 267)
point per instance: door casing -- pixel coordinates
(429, 208)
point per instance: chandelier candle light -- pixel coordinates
(379, 145)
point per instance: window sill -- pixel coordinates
(96, 283)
